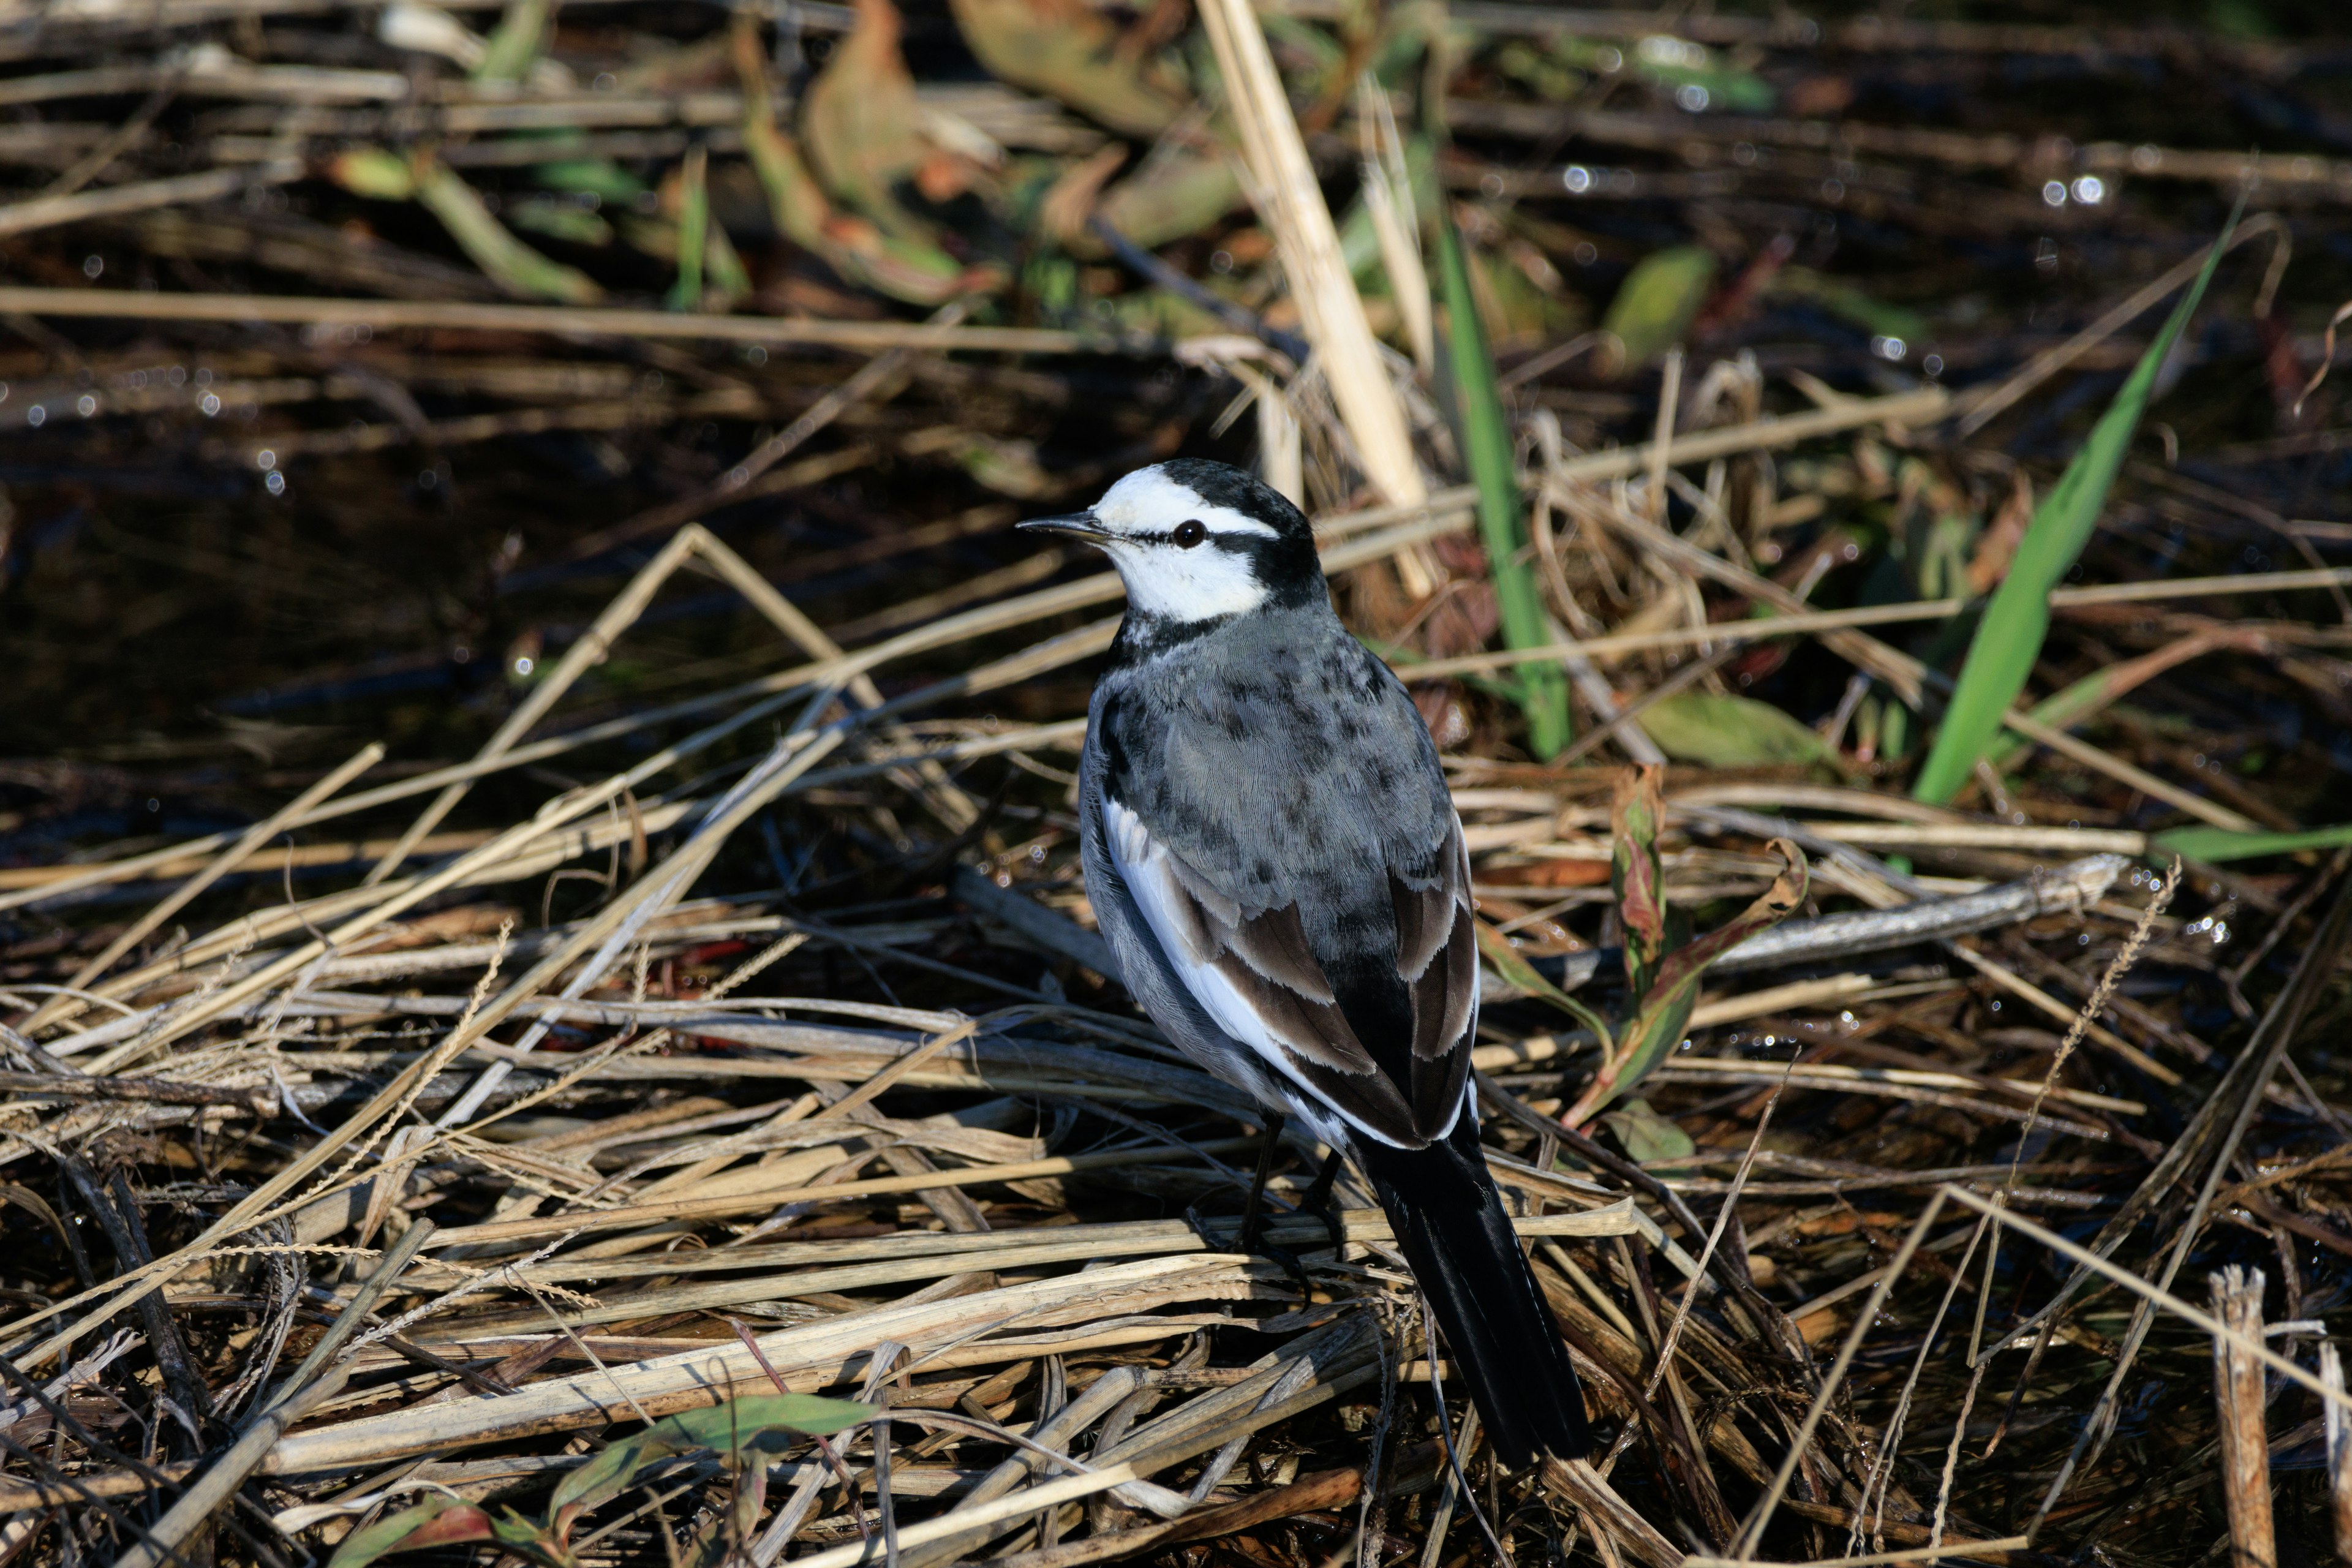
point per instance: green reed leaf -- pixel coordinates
(2008, 640)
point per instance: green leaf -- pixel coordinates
(2219, 844)
(2009, 638)
(515, 42)
(2062, 710)
(765, 1421)
(1637, 814)
(558, 218)
(693, 230)
(749, 1421)
(600, 177)
(507, 260)
(437, 1522)
(1491, 452)
(371, 172)
(1657, 302)
(1664, 1011)
(1687, 963)
(1176, 192)
(531, 1541)
(1517, 973)
(1648, 1136)
(905, 269)
(1731, 733)
(1643, 1041)
(1843, 298)
(1067, 49)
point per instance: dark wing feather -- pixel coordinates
(1259, 976)
(1437, 958)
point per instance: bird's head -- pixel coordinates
(1196, 541)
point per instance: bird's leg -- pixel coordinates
(1253, 1212)
(1317, 1200)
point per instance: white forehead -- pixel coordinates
(1147, 501)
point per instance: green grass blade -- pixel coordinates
(507, 260)
(2062, 710)
(2215, 845)
(515, 42)
(693, 230)
(1488, 450)
(2008, 640)
(1517, 973)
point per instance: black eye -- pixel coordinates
(1189, 533)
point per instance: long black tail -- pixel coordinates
(1505, 1342)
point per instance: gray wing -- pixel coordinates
(1356, 993)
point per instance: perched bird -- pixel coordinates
(1273, 857)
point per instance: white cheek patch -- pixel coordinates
(1165, 582)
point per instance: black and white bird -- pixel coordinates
(1273, 857)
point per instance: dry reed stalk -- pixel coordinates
(2053, 1008)
(1989, 1550)
(1733, 632)
(603, 939)
(1282, 454)
(2156, 1297)
(301, 1391)
(828, 1353)
(999, 1251)
(253, 1210)
(1388, 197)
(229, 859)
(1540, 1048)
(561, 319)
(1308, 1494)
(548, 840)
(2211, 1140)
(1612, 1519)
(48, 212)
(1292, 202)
(689, 1207)
(2238, 1395)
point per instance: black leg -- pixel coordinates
(1253, 1212)
(1317, 1200)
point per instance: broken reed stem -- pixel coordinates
(2339, 1447)
(2238, 1394)
(1291, 200)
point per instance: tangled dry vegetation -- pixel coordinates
(550, 1008)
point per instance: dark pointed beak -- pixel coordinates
(1077, 525)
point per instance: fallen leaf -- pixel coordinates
(1656, 304)
(1645, 1135)
(1068, 50)
(1723, 732)
(858, 120)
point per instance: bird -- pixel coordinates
(1273, 855)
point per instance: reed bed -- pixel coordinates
(548, 1003)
